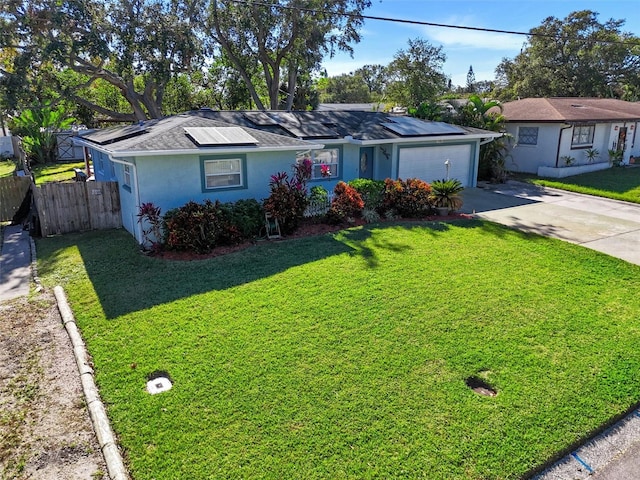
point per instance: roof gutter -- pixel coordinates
(562, 129)
(134, 172)
(484, 140)
(434, 139)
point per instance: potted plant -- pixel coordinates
(445, 195)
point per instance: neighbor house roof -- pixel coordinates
(570, 109)
(269, 130)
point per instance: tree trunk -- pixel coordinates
(291, 87)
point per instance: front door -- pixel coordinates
(622, 139)
(366, 162)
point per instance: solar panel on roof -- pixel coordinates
(309, 130)
(413, 127)
(208, 136)
(115, 134)
(260, 119)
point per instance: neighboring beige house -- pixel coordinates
(549, 132)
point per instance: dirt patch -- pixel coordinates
(45, 430)
(481, 387)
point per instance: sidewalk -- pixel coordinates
(15, 263)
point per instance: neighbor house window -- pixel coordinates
(127, 176)
(582, 135)
(528, 136)
(223, 173)
(326, 162)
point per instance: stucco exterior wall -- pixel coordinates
(527, 158)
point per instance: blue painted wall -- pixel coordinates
(171, 181)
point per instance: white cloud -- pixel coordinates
(455, 37)
(451, 38)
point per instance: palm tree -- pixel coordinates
(487, 115)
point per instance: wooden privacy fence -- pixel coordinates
(77, 206)
(12, 192)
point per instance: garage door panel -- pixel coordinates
(427, 163)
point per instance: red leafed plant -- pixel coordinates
(409, 198)
(347, 203)
(151, 221)
(288, 200)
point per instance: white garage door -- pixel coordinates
(427, 163)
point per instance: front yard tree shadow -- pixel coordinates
(126, 281)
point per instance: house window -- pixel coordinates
(528, 136)
(326, 162)
(582, 135)
(223, 173)
(127, 176)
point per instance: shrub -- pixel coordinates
(193, 227)
(346, 203)
(151, 220)
(319, 194)
(409, 198)
(247, 216)
(288, 198)
(287, 201)
(446, 193)
(370, 215)
(200, 227)
(371, 191)
(318, 204)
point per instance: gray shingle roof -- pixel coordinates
(295, 130)
(168, 134)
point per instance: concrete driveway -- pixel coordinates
(609, 226)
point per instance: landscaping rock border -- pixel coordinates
(101, 425)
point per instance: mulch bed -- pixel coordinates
(308, 228)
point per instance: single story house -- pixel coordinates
(550, 134)
(231, 155)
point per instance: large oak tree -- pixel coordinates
(137, 46)
(416, 74)
(576, 56)
(284, 38)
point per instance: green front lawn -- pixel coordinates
(616, 183)
(345, 356)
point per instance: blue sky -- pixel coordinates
(484, 51)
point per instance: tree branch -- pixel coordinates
(113, 115)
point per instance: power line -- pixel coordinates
(419, 22)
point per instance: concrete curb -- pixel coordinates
(598, 452)
(101, 425)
